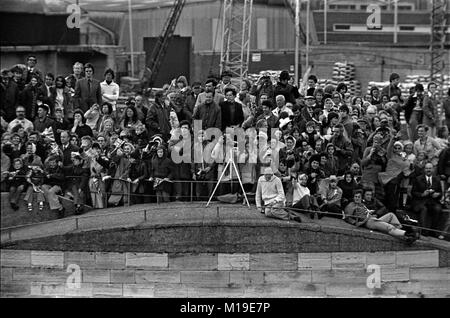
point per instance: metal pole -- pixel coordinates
(297, 35)
(131, 37)
(325, 21)
(307, 33)
(395, 20)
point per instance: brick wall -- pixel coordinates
(44, 274)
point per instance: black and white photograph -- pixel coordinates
(225, 156)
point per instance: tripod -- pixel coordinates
(231, 165)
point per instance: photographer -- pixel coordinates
(263, 86)
(414, 111)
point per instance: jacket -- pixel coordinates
(356, 214)
(9, 99)
(55, 177)
(229, 119)
(210, 115)
(289, 92)
(158, 120)
(84, 97)
(420, 185)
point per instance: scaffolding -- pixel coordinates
(437, 41)
(236, 28)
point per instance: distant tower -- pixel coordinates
(236, 27)
(437, 40)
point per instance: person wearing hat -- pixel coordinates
(42, 120)
(392, 89)
(330, 200)
(9, 95)
(308, 111)
(270, 197)
(289, 92)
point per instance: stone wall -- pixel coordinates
(26, 273)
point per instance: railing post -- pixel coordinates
(192, 189)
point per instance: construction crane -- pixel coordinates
(236, 28)
(437, 41)
(160, 48)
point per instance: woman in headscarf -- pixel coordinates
(161, 175)
(396, 168)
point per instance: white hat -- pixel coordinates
(268, 170)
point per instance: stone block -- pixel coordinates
(110, 260)
(144, 276)
(47, 259)
(123, 276)
(418, 258)
(108, 221)
(340, 276)
(433, 274)
(147, 260)
(83, 290)
(138, 290)
(234, 262)
(6, 275)
(274, 261)
(163, 290)
(383, 259)
(400, 274)
(199, 291)
(191, 261)
(206, 278)
(436, 287)
(15, 289)
(347, 289)
(82, 259)
(272, 277)
(96, 276)
(314, 261)
(348, 260)
(47, 289)
(15, 258)
(106, 290)
(44, 275)
(246, 277)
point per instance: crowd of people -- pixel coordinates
(327, 152)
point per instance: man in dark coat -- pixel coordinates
(158, 117)
(426, 193)
(232, 114)
(87, 90)
(209, 113)
(9, 96)
(289, 92)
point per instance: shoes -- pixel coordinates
(78, 209)
(61, 213)
(30, 207)
(41, 206)
(296, 218)
(311, 215)
(320, 215)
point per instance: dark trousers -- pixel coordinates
(14, 193)
(430, 214)
(334, 209)
(392, 194)
(182, 190)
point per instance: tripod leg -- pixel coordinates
(240, 182)
(218, 182)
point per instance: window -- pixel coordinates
(407, 28)
(364, 7)
(340, 27)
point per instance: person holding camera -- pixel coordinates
(426, 195)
